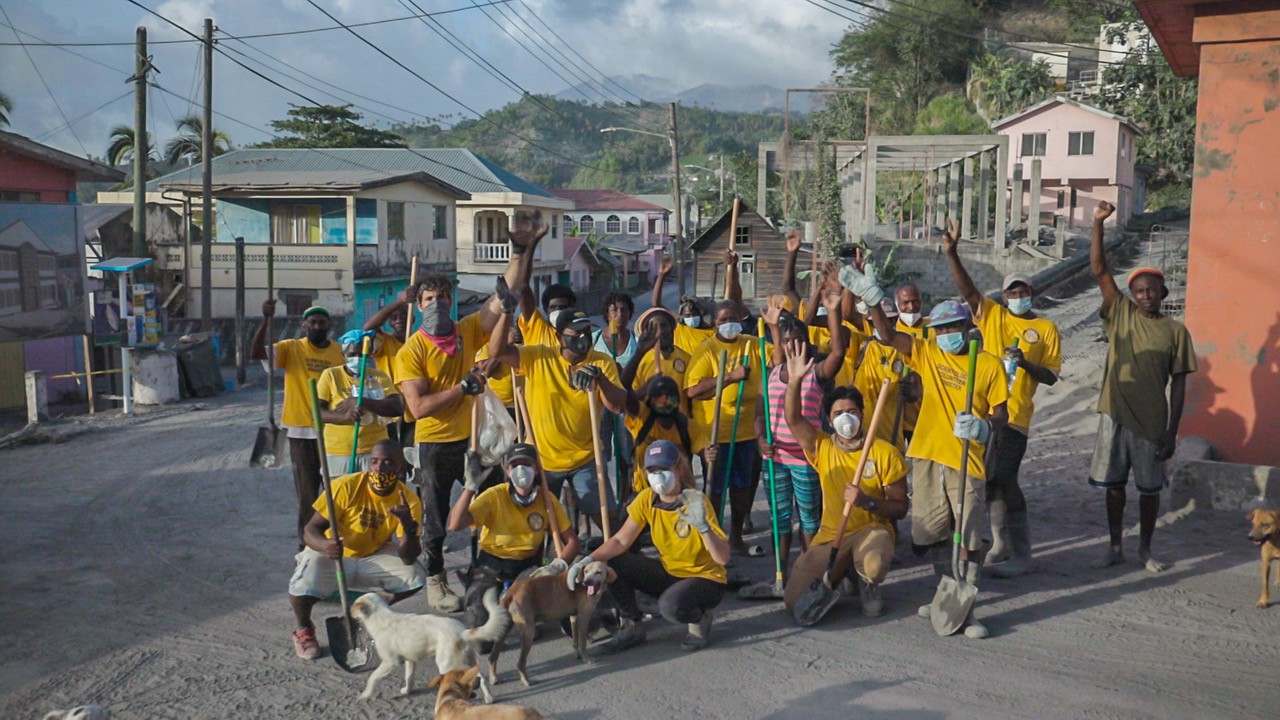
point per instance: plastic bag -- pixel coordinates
(497, 429)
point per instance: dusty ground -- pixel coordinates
(145, 566)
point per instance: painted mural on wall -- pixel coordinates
(41, 271)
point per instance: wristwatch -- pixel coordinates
(871, 505)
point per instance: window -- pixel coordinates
(440, 224)
(1080, 143)
(586, 224)
(8, 260)
(16, 196)
(295, 224)
(48, 264)
(742, 235)
(550, 220)
(613, 225)
(568, 225)
(1034, 144)
(395, 221)
(633, 226)
(653, 226)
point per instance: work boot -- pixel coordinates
(1000, 532)
(630, 633)
(440, 596)
(1020, 562)
(869, 593)
(304, 643)
(973, 629)
(699, 635)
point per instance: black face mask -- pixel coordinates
(317, 336)
(578, 345)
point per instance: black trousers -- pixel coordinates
(490, 571)
(680, 600)
(440, 465)
(305, 459)
(1005, 459)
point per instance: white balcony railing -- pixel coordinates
(492, 252)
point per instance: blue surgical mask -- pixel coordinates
(353, 364)
(691, 320)
(951, 342)
(730, 330)
(1020, 306)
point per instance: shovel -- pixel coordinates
(715, 419)
(954, 597)
(598, 449)
(355, 434)
(270, 447)
(733, 440)
(821, 594)
(764, 591)
(351, 649)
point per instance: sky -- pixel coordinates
(783, 43)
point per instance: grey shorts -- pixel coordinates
(338, 464)
(935, 500)
(583, 482)
(314, 574)
(1116, 451)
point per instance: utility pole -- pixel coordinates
(674, 137)
(142, 65)
(722, 178)
(206, 172)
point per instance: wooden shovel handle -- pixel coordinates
(598, 448)
(870, 437)
(552, 519)
(413, 282)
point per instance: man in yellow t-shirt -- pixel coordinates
(1031, 346)
(301, 359)
(539, 329)
(396, 315)
(558, 378)
(338, 394)
(378, 517)
(942, 428)
(514, 526)
(882, 362)
(879, 497)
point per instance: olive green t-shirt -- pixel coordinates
(1144, 354)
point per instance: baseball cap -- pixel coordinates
(661, 454)
(1014, 278)
(314, 310)
(947, 312)
(889, 307)
(520, 451)
(573, 319)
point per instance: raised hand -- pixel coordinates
(794, 236)
(1104, 211)
(951, 238)
(798, 361)
(403, 512)
(667, 265)
(527, 229)
(509, 300)
(730, 258)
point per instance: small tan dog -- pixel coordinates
(548, 598)
(453, 701)
(1265, 533)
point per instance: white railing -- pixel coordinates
(492, 252)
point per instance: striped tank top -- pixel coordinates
(787, 448)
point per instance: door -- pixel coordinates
(747, 274)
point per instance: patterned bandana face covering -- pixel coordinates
(383, 483)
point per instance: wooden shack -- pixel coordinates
(762, 255)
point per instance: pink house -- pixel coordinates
(1086, 154)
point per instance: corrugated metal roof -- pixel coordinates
(275, 167)
(605, 200)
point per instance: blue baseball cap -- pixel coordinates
(661, 454)
(948, 312)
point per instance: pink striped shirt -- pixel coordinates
(787, 448)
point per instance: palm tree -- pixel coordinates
(185, 147)
(6, 107)
(120, 151)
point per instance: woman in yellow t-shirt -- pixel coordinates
(688, 577)
(657, 417)
(337, 388)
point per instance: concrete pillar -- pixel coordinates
(953, 192)
(37, 397)
(940, 198)
(869, 194)
(926, 214)
(1033, 214)
(854, 206)
(984, 195)
(1060, 236)
(1002, 192)
(966, 202)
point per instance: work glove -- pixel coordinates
(509, 300)
(472, 384)
(574, 574)
(584, 378)
(862, 284)
(693, 510)
(473, 472)
(555, 567)
(970, 427)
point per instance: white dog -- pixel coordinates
(409, 638)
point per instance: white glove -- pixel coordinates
(969, 427)
(555, 567)
(693, 510)
(861, 284)
(574, 574)
(473, 472)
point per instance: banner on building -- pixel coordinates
(42, 271)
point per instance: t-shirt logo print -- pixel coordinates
(682, 529)
(1031, 336)
(369, 518)
(537, 522)
(870, 470)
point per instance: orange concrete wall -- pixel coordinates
(1233, 282)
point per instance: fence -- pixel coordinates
(1167, 249)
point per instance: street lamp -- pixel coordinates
(720, 174)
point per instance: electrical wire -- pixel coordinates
(574, 50)
(1023, 36)
(78, 118)
(44, 82)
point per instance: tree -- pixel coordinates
(6, 107)
(120, 151)
(950, 114)
(186, 146)
(329, 126)
(1002, 86)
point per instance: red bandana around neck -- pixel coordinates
(448, 344)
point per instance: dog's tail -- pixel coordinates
(496, 626)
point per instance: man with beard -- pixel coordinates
(301, 359)
(378, 518)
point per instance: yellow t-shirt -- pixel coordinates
(302, 361)
(1039, 342)
(559, 413)
(705, 364)
(386, 357)
(420, 359)
(911, 413)
(820, 336)
(537, 330)
(680, 547)
(509, 531)
(675, 367)
(501, 380)
(882, 362)
(336, 385)
(942, 376)
(836, 467)
(689, 338)
(657, 432)
(364, 517)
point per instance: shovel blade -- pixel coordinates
(270, 448)
(761, 591)
(816, 601)
(951, 605)
(354, 658)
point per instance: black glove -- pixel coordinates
(584, 378)
(472, 384)
(509, 300)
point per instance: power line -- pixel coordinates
(574, 50)
(1024, 36)
(580, 74)
(44, 82)
(78, 118)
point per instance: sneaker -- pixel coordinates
(846, 587)
(872, 603)
(925, 611)
(440, 597)
(699, 633)
(304, 643)
(975, 630)
(630, 633)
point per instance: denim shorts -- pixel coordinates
(583, 482)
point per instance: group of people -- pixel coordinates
(703, 385)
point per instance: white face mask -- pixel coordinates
(553, 316)
(691, 320)
(861, 307)
(522, 477)
(909, 319)
(846, 425)
(663, 482)
(353, 364)
(822, 312)
(1019, 306)
(730, 330)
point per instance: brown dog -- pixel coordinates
(453, 701)
(548, 598)
(1265, 533)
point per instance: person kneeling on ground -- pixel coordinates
(513, 522)
(879, 497)
(689, 577)
(372, 507)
